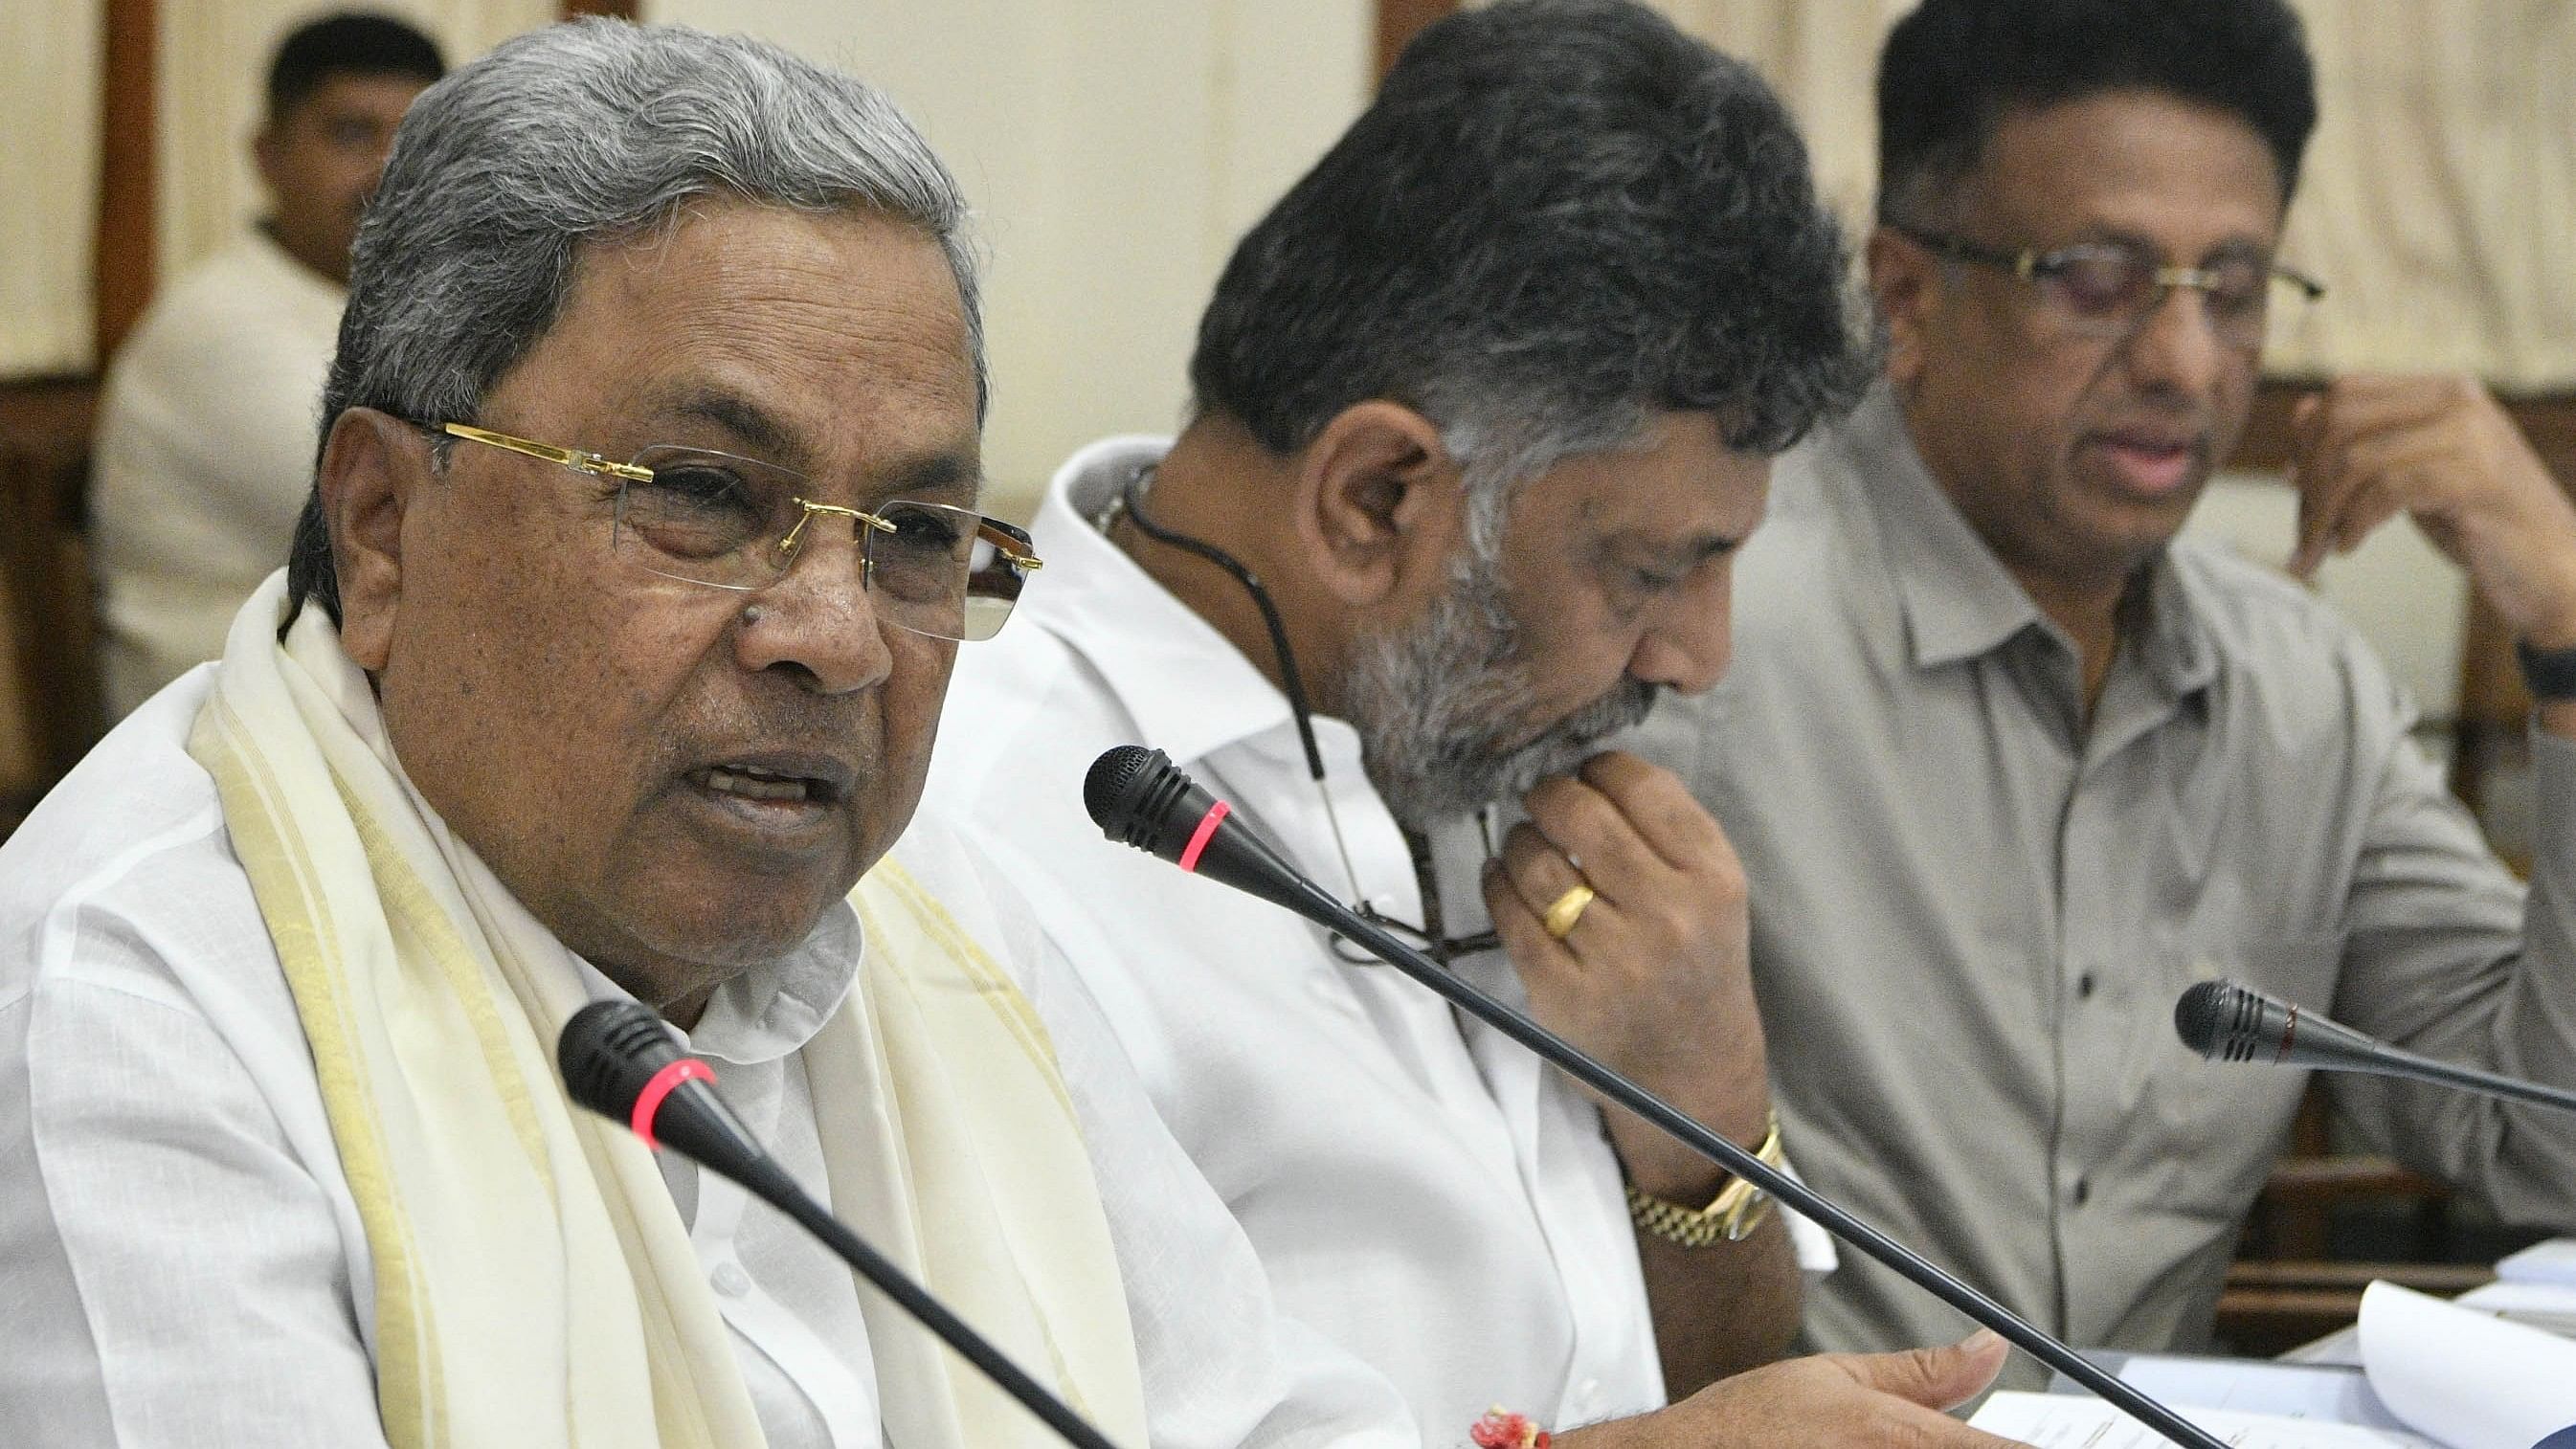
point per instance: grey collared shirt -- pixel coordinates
(1972, 912)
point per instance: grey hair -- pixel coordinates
(584, 134)
(1557, 219)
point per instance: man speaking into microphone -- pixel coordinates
(1483, 408)
(606, 668)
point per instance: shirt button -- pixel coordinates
(731, 1281)
(2084, 987)
(2083, 1191)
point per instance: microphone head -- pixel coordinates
(2197, 1013)
(609, 1050)
(2220, 1020)
(1132, 793)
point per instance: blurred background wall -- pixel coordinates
(1115, 150)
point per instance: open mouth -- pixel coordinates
(2149, 464)
(766, 786)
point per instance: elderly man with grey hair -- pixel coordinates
(606, 667)
(565, 697)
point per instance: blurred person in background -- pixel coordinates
(205, 434)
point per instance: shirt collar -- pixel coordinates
(1190, 691)
(1960, 602)
(775, 1008)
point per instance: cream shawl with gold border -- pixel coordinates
(534, 1284)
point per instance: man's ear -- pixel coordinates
(267, 149)
(373, 467)
(1905, 281)
(1378, 498)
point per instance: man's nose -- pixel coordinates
(1688, 649)
(819, 620)
(2176, 346)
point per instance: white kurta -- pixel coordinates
(181, 1260)
(207, 432)
(1421, 1190)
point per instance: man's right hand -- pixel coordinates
(1870, 1401)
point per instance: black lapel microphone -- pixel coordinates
(619, 1060)
(2226, 1022)
(1139, 797)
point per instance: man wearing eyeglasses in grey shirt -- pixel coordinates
(2010, 767)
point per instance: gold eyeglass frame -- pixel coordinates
(1010, 542)
(2028, 265)
(1013, 544)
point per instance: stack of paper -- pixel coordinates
(2550, 1262)
(2438, 1376)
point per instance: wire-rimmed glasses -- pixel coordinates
(2105, 289)
(727, 522)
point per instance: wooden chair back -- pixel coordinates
(51, 710)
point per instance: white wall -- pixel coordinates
(1113, 153)
(2403, 596)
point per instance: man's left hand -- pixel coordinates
(2442, 451)
(1652, 977)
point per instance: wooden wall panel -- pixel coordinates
(123, 266)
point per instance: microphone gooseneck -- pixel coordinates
(1129, 781)
(2228, 1022)
(619, 1060)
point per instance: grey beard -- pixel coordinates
(1439, 702)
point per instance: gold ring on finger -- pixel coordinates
(1565, 910)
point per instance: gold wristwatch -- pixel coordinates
(1738, 1209)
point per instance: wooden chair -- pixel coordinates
(50, 705)
(2287, 1286)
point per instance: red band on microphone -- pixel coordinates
(1206, 831)
(648, 1103)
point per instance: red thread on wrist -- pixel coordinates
(1500, 1430)
(648, 1103)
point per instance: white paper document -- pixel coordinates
(2549, 1306)
(2438, 1376)
(2247, 1386)
(2550, 1262)
(2469, 1379)
(2069, 1421)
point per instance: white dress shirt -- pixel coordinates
(206, 435)
(181, 1260)
(1420, 1189)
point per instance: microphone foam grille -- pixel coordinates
(2198, 1013)
(1114, 786)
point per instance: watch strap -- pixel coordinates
(2547, 673)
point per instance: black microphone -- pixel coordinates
(619, 1060)
(1139, 797)
(2226, 1022)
